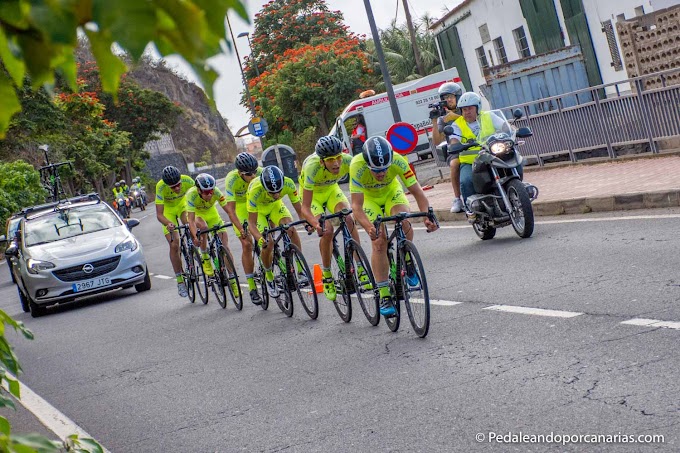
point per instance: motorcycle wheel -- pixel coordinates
(521, 214)
(484, 234)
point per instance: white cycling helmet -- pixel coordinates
(470, 99)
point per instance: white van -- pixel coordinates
(413, 99)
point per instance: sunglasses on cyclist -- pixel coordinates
(332, 158)
(248, 173)
(174, 186)
(378, 172)
(208, 192)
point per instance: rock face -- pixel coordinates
(201, 127)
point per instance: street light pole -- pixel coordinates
(383, 65)
(252, 55)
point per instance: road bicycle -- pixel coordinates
(351, 272)
(50, 179)
(407, 274)
(287, 259)
(259, 272)
(192, 270)
(225, 275)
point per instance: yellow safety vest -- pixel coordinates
(487, 128)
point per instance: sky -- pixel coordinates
(227, 90)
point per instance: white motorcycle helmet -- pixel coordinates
(470, 99)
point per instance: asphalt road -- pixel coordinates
(151, 372)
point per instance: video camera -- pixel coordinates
(440, 109)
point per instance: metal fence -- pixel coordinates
(604, 118)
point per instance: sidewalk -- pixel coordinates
(639, 182)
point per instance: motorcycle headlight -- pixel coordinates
(128, 244)
(136, 193)
(35, 266)
(501, 147)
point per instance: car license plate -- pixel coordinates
(91, 284)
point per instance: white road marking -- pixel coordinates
(652, 323)
(163, 277)
(48, 415)
(534, 311)
(443, 303)
(596, 219)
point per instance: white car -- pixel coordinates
(74, 249)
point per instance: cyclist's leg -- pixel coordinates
(280, 216)
(399, 203)
(171, 213)
(266, 254)
(203, 246)
(246, 251)
(379, 259)
(318, 207)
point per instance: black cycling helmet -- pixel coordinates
(205, 182)
(377, 153)
(328, 146)
(246, 163)
(171, 175)
(272, 179)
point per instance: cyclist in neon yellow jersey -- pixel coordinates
(170, 206)
(236, 190)
(319, 178)
(375, 190)
(266, 208)
(203, 214)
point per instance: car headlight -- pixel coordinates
(128, 244)
(500, 147)
(35, 266)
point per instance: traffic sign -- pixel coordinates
(258, 127)
(403, 137)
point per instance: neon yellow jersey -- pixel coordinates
(166, 196)
(362, 181)
(315, 177)
(236, 188)
(197, 204)
(259, 198)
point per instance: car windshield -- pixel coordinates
(500, 124)
(69, 222)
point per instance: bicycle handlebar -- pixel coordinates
(285, 227)
(400, 217)
(213, 229)
(342, 213)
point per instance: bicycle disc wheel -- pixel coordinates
(305, 292)
(201, 278)
(285, 299)
(343, 300)
(188, 271)
(393, 321)
(227, 263)
(365, 292)
(416, 297)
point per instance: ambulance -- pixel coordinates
(413, 98)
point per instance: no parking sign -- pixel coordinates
(403, 137)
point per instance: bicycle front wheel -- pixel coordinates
(395, 283)
(231, 283)
(414, 284)
(217, 282)
(260, 281)
(201, 279)
(363, 282)
(285, 299)
(305, 291)
(188, 270)
(343, 286)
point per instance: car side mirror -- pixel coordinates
(12, 250)
(517, 114)
(524, 132)
(448, 130)
(131, 223)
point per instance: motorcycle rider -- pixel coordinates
(472, 123)
(450, 93)
(137, 186)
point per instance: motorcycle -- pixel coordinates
(139, 199)
(501, 198)
(122, 205)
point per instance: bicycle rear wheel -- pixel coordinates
(226, 263)
(201, 279)
(305, 292)
(188, 270)
(285, 299)
(343, 300)
(416, 297)
(365, 292)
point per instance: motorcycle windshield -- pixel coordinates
(500, 126)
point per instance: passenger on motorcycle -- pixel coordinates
(236, 190)
(471, 124)
(375, 191)
(450, 93)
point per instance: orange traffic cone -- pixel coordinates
(318, 279)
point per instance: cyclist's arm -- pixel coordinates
(298, 208)
(252, 226)
(423, 203)
(230, 209)
(160, 216)
(307, 196)
(359, 214)
(191, 217)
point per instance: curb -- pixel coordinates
(623, 202)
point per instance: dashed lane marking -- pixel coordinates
(534, 311)
(652, 323)
(49, 415)
(163, 277)
(443, 303)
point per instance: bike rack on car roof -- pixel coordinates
(55, 205)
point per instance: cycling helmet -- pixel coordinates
(377, 153)
(135, 180)
(117, 184)
(450, 88)
(328, 146)
(246, 162)
(171, 175)
(122, 182)
(470, 99)
(272, 179)
(205, 182)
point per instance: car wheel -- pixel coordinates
(35, 309)
(23, 300)
(145, 285)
